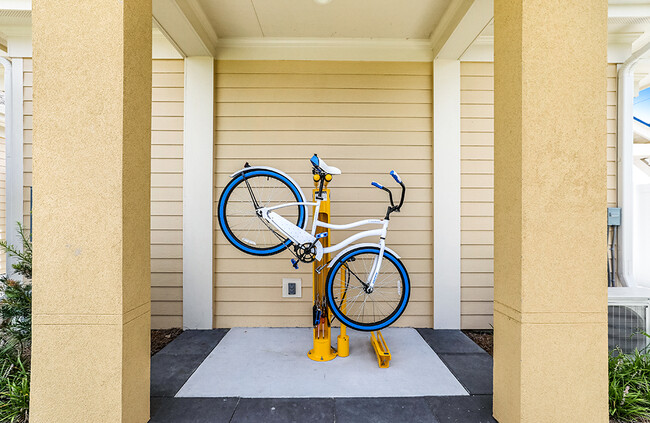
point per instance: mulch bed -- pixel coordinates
(161, 337)
(483, 338)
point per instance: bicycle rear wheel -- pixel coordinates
(239, 222)
(347, 296)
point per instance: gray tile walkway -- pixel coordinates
(174, 365)
(449, 341)
(474, 371)
(383, 410)
(284, 410)
(474, 409)
(192, 410)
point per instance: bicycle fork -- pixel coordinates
(376, 265)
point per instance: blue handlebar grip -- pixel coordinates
(395, 176)
(375, 184)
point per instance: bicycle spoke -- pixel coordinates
(370, 308)
(245, 225)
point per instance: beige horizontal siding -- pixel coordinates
(365, 118)
(27, 137)
(167, 194)
(477, 187)
(166, 187)
(612, 181)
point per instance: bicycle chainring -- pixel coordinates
(306, 253)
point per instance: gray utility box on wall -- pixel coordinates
(613, 216)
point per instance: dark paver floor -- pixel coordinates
(174, 365)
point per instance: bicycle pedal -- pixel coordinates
(294, 263)
(321, 235)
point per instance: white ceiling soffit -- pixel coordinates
(390, 19)
(460, 26)
(16, 4)
(185, 25)
(15, 22)
(628, 9)
(364, 30)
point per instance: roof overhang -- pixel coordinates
(460, 26)
(461, 31)
(185, 25)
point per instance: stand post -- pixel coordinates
(322, 350)
(343, 340)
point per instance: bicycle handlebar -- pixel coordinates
(392, 206)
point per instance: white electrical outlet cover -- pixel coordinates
(285, 287)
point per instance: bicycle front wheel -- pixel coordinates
(351, 302)
(237, 215)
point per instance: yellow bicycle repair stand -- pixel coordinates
(323, 350)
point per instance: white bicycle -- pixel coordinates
(367, 285)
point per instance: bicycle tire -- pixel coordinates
(260, 239)
(346, 308)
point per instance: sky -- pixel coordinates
(642, 106)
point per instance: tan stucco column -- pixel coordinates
(550, 305)
(92, 141)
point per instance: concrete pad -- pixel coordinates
(273, 363)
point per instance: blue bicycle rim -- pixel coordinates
(393, 317)
(222, 207)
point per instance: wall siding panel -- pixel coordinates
(365, 118)
(477, 187)
(27, 137)
(167, 194)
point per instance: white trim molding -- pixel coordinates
(16, 5)
(161, 48)
(446, 194)
(464, 20)
(631, 10)
(185, 25)
(198, 192)
(14, 152)
(343, 49)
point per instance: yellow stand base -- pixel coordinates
(322, 350)
(381, 349)
(343, 345)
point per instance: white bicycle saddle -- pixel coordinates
(317, 161)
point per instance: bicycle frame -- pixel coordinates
(300, 236)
